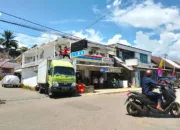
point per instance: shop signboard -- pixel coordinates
(107, 60)
(79, 45)
(115, 70)
(78, 53)
(104, 70)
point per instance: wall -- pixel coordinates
(29, 77)
(48, 51)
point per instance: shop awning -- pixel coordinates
(122, 63)
(18, 70)
(98, 68)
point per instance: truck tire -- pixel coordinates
(50, 94)
(41, 91)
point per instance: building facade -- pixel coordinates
(135, 62)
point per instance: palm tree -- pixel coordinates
(8, 41)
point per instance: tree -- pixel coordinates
(34, 46)
(8, 41)
(22, 49)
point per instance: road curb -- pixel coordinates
(91, 94)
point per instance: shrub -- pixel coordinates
(1, 77)
(21, 85)
(26, 87)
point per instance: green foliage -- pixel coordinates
(8, 41)
(26, 87)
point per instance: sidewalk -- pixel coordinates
(111, 91)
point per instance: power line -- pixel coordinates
(25, 33)
(36, 23)
(98, 20)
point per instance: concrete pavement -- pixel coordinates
(97, 112)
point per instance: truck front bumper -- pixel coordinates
(63, 89)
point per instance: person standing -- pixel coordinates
(66, 52)
(101, 81)
(95, 82)
(60, 51)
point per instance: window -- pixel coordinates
(143, 58)
(63, 71)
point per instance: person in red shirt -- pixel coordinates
(66, 52)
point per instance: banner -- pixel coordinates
(160, 68)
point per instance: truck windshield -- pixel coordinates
(63, 71)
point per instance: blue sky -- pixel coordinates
(148, 24)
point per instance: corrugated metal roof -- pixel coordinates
(8, 64)
(157, 60)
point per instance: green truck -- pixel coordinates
(55, 77)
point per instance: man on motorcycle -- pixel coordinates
(147, 89)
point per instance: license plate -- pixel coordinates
(65, 88)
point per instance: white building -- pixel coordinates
(32, 57)
(135, 60)
(96, 58)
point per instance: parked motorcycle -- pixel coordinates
(138, 103)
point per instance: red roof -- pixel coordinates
(6, 64)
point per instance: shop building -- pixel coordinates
(134, 61)
(96, 61)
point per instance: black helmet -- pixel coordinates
(148, 73)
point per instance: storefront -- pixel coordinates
(89, 67)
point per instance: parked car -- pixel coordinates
(10, 81)
(174, 81)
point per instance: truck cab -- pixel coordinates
(60, 77)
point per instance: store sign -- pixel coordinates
(115, 70)
(107, 60)
(79, 45)
(78, 53)
(104, 70)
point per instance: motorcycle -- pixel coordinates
(138, 103)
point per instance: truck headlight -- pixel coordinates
(55, 84)
(73, 85)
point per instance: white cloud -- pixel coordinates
(96, 10)
(28, 41)
(67, 21)
(90, 34)
(0, 13)
(168, 43)
(96, 36)
(117, 3)
(108, 6)
(146, 14)
(117, 39)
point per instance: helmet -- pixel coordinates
(148, 73)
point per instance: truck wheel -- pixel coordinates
(41, 91)
(50, 94)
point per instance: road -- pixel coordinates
(27, 110)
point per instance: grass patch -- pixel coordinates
(26, 87)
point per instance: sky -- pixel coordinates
(153, 25)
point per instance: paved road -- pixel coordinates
(31, 111)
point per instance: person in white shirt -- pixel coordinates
(95, 82)
(101, 81)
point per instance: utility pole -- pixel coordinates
(165, 55)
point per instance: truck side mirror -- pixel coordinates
(48, 72)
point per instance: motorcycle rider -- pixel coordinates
(147, 89)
